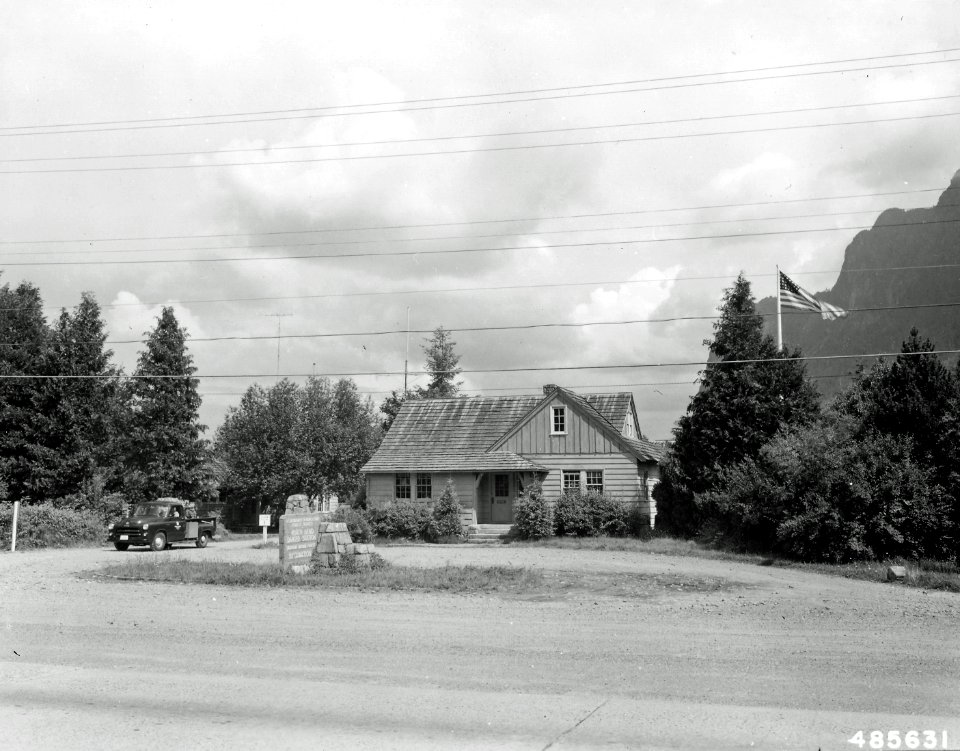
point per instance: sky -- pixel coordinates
(581, 181)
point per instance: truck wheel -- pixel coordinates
(121, 545)
(159, 542)
(202, 540)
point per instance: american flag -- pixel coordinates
(794, 296)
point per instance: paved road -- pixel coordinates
(776, 659)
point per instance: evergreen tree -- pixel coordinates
(739, 407)
(80, 415)
(165, 451)
(25, 335)
(442, 365)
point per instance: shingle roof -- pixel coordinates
(442, 431)
(439, 435)
(646, 450)
(613, 407)
(452, 461)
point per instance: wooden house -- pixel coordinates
(490, 448)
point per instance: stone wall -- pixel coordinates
(335, 548)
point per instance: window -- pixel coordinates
(571, 479)
(402, 485)
(644, 487)
(595, 480)
(559, 419)
(501, 486)
(424, 486)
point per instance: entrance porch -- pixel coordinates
(497, 493)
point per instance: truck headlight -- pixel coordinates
(146, 526)
(110, 526)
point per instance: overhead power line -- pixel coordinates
(544, 368)
(514, 327)
(453, 102)
(668, 209)
(456, 251)
(498, 288)
(477, 150)
(502, 134)
(436, 238)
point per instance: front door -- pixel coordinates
(502, 507)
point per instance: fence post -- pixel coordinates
(13, 537)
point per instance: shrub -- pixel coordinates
(589, 514)
(357, 521)
(637, 523)
(446, 523)
(820, 493)
(533, 518)
(400, 520)
(44, 525)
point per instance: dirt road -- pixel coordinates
(772, 658)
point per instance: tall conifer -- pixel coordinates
(165, 454)
(739, 407)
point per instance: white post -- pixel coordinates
(264, 535)
(779, 319)
(13, 537)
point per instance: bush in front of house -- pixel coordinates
(46, 525)
(445, 523)
(357, 521)
(403, 520)
(533, 518)
(589, 514)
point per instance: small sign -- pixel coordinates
(264, 520)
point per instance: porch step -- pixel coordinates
(489, 533)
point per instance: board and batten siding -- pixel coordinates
(535, 437)
(619, 473)
(381, 487)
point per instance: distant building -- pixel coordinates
(492, 447)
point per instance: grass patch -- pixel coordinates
(506, 580)
(456, 579)
(264, 545)
(926, 574)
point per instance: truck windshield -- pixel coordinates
(151, 509)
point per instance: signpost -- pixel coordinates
(13, 537)
(264, 522)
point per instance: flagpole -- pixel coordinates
(779, 319)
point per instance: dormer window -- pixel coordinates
(559, 421)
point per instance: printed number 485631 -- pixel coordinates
(893, 739)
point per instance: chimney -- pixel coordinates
(550, 387)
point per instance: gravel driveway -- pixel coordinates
(774, 658)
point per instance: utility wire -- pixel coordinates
(506, 134)
(457, 251)
(186, 122)
(336, 243)
(480, 221)
(515, 327)
(487, 149)
(501, 288)
(500, 93)
(546, 368)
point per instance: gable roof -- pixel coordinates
(463, 433)
(452, 434)
(641, 448)
(614, 407)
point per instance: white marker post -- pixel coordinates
(13, 536)
(264, 522)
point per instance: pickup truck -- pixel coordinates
(161, 523)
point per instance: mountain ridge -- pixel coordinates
(880, 271)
